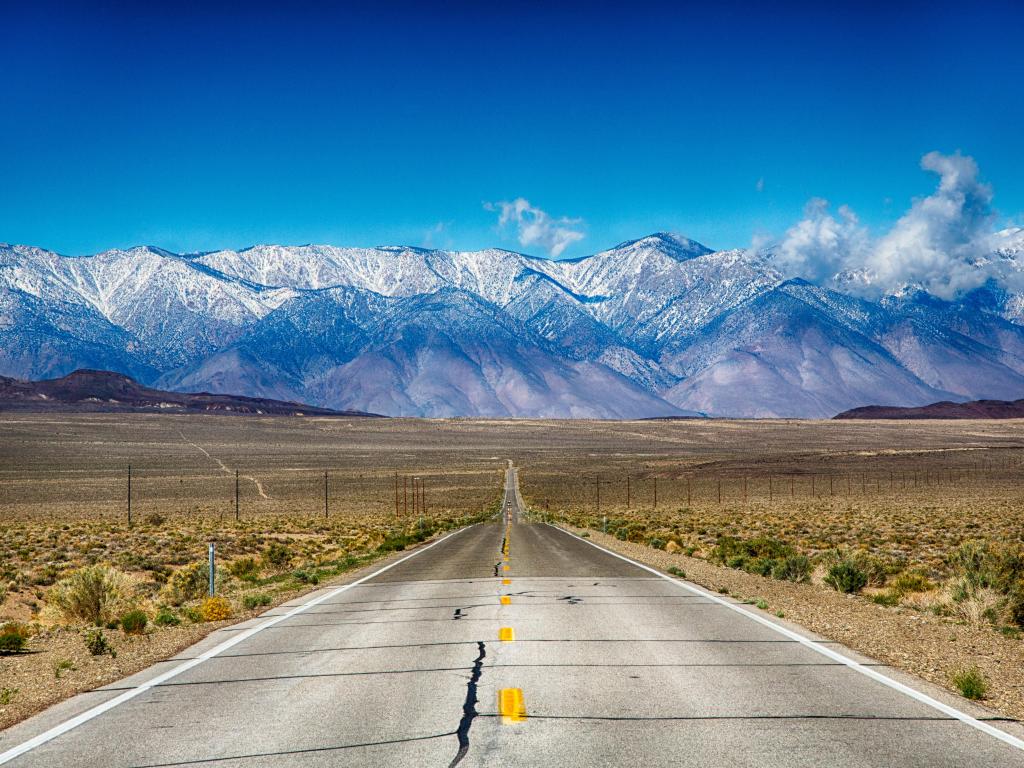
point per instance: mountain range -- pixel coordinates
(660, 326)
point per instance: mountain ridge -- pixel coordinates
(974, 409)
(90, 390)
(658, 326)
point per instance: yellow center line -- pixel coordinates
(511, 705)
(506, 582)
(507, 635)
(506, 600)
(504, 567)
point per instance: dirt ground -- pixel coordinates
(907, 493)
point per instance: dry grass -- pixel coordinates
(64, 482)
(909, 493)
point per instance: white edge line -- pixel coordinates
(130, 694)
(924, 698)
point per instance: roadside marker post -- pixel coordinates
(213, 568)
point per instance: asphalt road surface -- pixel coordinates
(512, 644)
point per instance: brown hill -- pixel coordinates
(107, 392)
(976, 409)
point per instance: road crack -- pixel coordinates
(469, 711)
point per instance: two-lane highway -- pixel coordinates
(511, 644)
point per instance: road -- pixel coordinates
(560, 655)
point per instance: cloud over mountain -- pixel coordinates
(535, 228)
(940, 244)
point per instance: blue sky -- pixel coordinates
(196, 129)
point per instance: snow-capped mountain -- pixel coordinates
(658, 326)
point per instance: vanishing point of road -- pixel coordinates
(513, 643)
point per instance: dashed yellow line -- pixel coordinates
(506, 600)
(504, 567)
(506, 582)
(511, 705)
(507, 635)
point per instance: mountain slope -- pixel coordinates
(442, 354)
(780, 355)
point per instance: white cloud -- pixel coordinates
(535, 227)
(820, 246)
(760, 185)
(940, 243)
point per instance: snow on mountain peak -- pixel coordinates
(668, 242)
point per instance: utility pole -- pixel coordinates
(129, 495)
(326, 512)
(627, 491)
(771, 490)
(237, 513)
(719, 490)
(655, 492)
(398, 510)
(405, 496)
(597, 479)
(423, 496)
(687, 490)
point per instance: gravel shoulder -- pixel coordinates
(931, 647)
